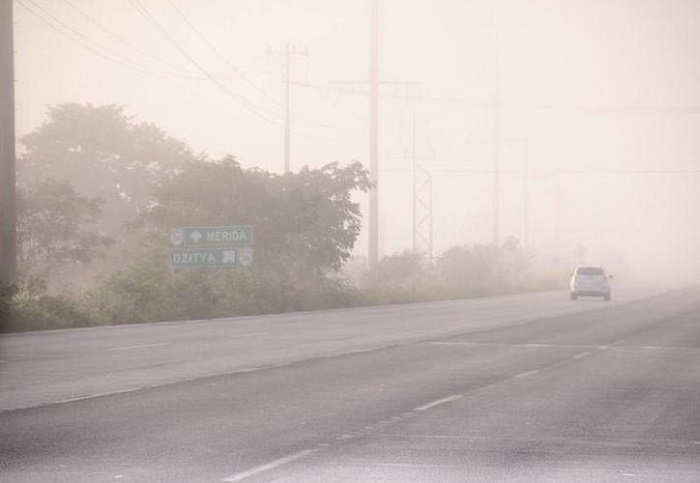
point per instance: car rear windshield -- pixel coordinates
(590, 271)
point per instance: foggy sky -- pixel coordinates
(600, 102)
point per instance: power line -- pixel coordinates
(463, 101)
(110, 55)
(82, 40)
(135, 48)
(240, 74)
(615, 109)
(221, 56)
(560, 172)
(257, 110)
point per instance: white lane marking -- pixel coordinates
(94, 396)
(269, 466)
(438, 402)
(362, 351)
(243, 336)
(527, 374)
(445, 342)
(141, 346)
(541, 346)
(77, 398)
(581, 355)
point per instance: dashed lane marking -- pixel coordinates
(438, 402)
(529, 373)
(140, 346)
(269, 466)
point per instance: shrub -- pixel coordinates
(32, 308)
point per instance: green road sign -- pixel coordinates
(210, 257)
(212, 236)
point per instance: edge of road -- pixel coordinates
(656, 291)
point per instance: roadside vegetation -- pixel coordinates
(99, 192)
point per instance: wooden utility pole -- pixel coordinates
(8, 216)
(373, 252)
(287, 117)
(496, 189)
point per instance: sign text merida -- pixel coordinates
(212, 236)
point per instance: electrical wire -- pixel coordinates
(177, 70)
(240, 74)
(257, 110)
(623, 109)
(82, 40)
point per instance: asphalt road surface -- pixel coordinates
(517, 388)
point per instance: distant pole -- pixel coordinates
(374, 139)
(557, 216)
(497, 133)
(430, 215)
(287, 119)
(8, 215)
(415, 183)
(526, 201)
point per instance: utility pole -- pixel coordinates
(287, 117)
(374, 83)
(373, 252)
(8, 215)
(289, 51)
(557, 216)
(497, 131)
(526, 201)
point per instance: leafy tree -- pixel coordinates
(50, 228)
(102, 152)
(306, 224)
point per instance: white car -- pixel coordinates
(590, 281)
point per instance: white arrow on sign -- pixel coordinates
(196, 236)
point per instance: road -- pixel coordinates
(516, 388)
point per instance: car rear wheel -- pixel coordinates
(574, 296)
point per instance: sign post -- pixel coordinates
(211, 246)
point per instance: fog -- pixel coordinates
(599, 106)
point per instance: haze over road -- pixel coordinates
(513, 388)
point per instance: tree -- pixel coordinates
(306, 224)
(51, 218)
(102, 152)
